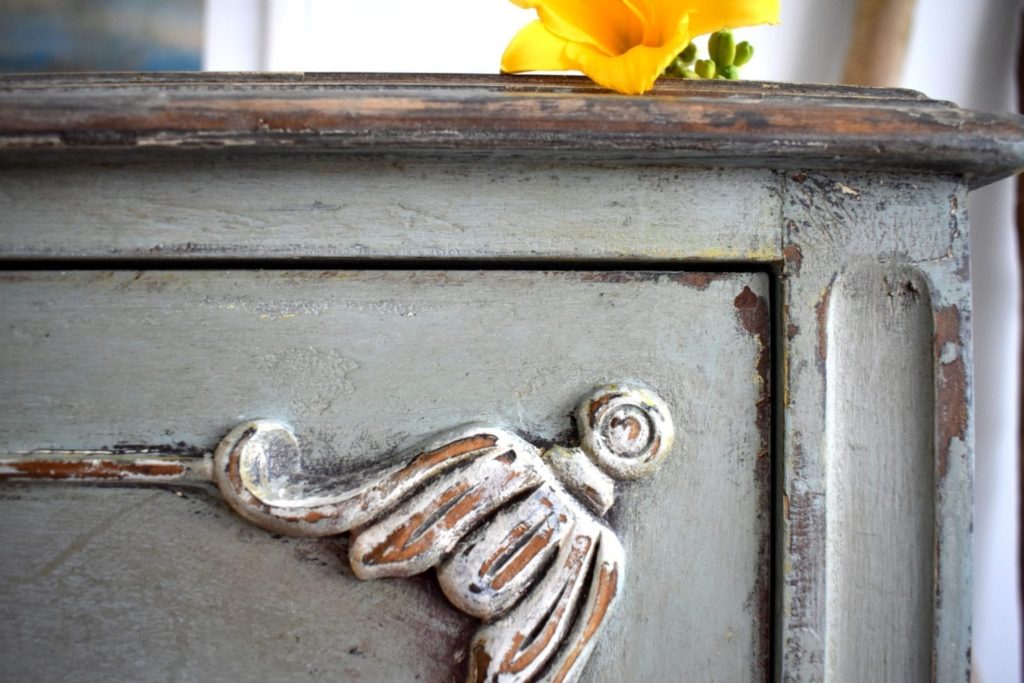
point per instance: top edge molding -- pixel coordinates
(706, 123)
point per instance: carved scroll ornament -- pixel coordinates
(514, 531)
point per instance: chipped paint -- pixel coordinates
(951, 385)
(765, 254)
(753, 314)
(692, 279)
(604, 593)
(699, 281)
(821, 314)
(888, 222)
(794, 258)
(423, 514)
(105, 467)
(847, 190)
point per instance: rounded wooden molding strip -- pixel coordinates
(745, 123)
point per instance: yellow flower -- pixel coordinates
(622, 44)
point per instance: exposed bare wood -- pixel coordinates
(419, 515)
(627, 432)
(681, 122)
(851, 204)
(857, 458)
(121, 468)
(353, 400)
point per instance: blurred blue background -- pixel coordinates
(101, 35)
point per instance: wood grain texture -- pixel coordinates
(362, 363)
(747, 124)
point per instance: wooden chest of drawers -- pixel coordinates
(374, 260)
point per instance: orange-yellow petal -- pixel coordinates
(632, 73)
(642, 12)
(535, 48)
(623, 44)
(707, 17)
(607, 25)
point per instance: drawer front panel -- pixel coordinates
(362, 365)
(204, 208)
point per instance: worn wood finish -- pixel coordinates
(876, 306)
(322, 207)
(130, 467)
(360, 362)
(748, 124)
(880, 530)
(511, 545)
(854, 200)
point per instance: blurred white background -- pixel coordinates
(960, 50)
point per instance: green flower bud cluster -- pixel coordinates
(682, 65)
(725, 57)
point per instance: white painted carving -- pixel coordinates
(514, 531)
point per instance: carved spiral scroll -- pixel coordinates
(626, 430)
(514, 530)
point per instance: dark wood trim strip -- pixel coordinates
(703, 123)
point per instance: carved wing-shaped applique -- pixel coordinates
(515, 534)
(426, 528)
(256, 468)
(499, 562)
(511, 544)
(549, 635)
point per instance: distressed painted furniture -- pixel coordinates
(375, 259)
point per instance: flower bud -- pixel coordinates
(744, 51)
(724, 51)
(705, 68)
(688, 55)
(673, 70)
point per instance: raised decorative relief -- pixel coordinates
(514, 531)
